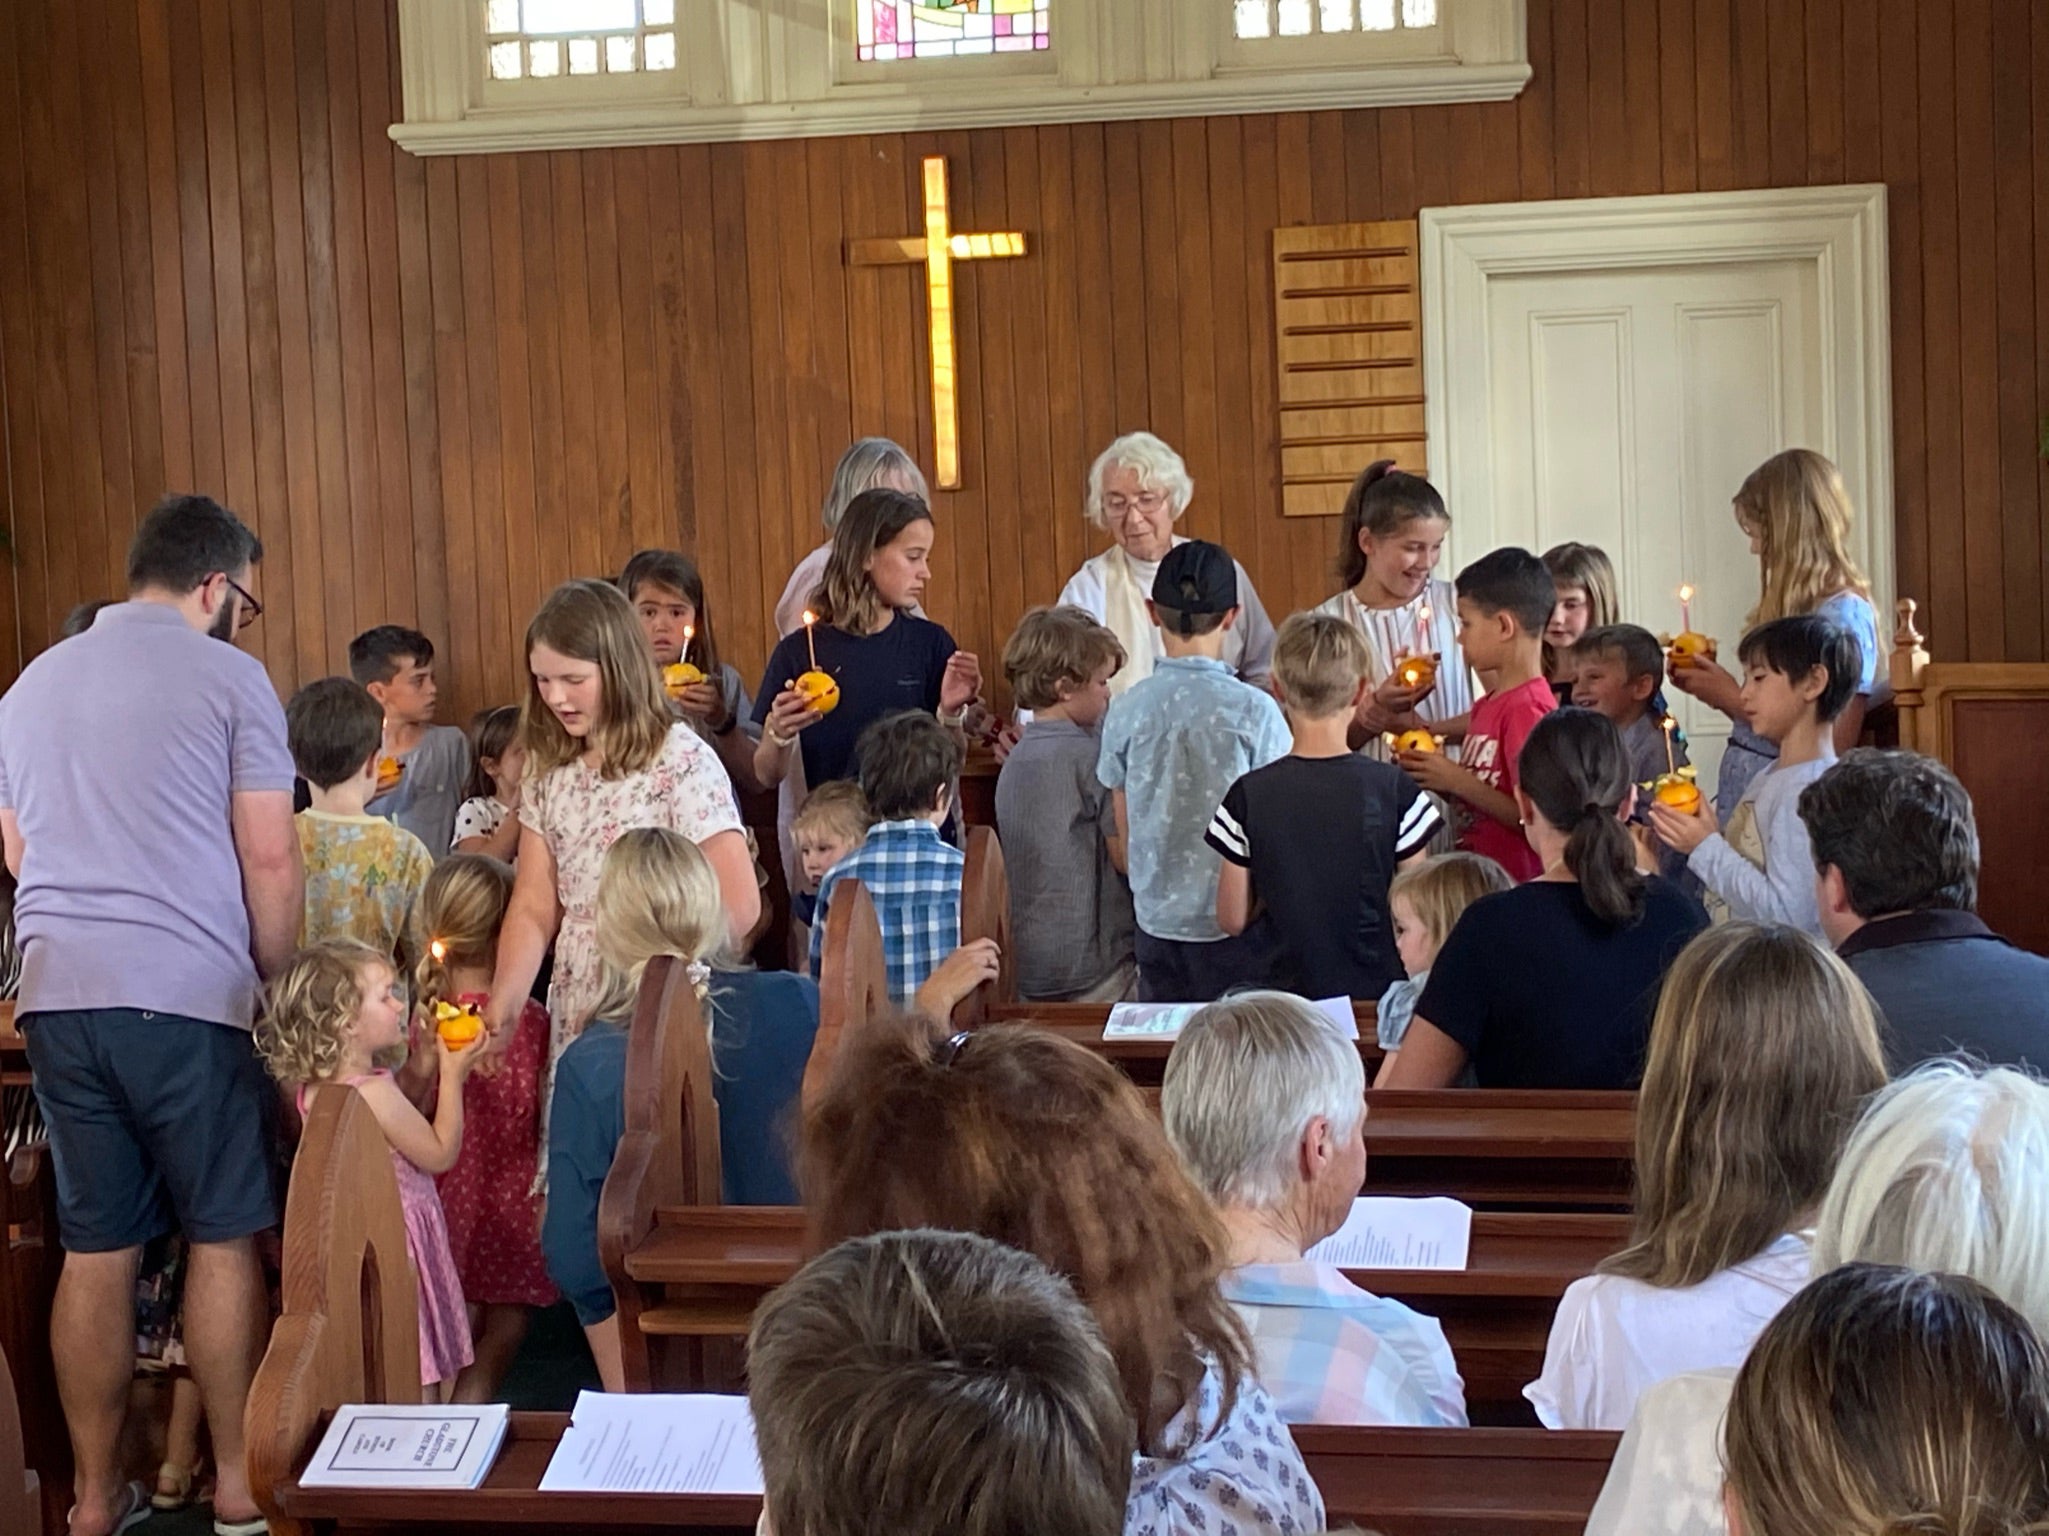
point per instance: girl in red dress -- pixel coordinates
(489, 1197)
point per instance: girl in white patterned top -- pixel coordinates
(488, 821)
(1394, 529)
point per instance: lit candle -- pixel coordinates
(810, 644)
(1686, 609)
(438, 950)
(1423, 628)
(1668, 724)
(689, 634)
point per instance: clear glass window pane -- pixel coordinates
(619, 52)
(560, 16)
(661, 50)
(502, 16)
(505, 60)
(1376, 15)
(544, 59)
(1252, 18)
(1419, 13)
(1336, 15)
(657, 13)
(1295, 18)
(583, 55)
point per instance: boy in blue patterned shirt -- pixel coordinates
(908, 763)
(1172, 745)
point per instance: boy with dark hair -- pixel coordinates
(1617, 671)
(909, 763)
(1314, 839)
(1061, 849)
(1504, 601)
(425, 767)
(364, 875)
(1800, 673)
(1172, 744)
(1896, 878)
(936, 1384)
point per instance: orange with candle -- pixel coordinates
(459, 1024)
(1415, 741)
(1675, 787)
(1689, 645)
(683, 673)
(389, 771)
(820, 689)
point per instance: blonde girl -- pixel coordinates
(1797, 516)
(1587, 599)
(604, 754)
(1394, 529)
(1425, 903)
(1762, 1053)
(1883, 1400)
(488, 1197)
(335, 1007)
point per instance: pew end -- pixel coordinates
(853, 980)
(985, 914)
(669, 1154)
(1986, 721)
(350, 1328)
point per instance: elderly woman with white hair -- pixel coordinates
(1947, 1173)
(869, 462)
(1265, 1101)
(1138, 488)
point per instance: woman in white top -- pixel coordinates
(1945, 1174)
(1762, 1052)
(1138, 488)
(869, 462)
(1394, 529)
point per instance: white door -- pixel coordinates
(1626, 409)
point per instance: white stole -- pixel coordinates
(1124, 614)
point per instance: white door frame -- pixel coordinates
(1840, 230)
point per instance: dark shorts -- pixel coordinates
(1181, 971)
(157, 1123)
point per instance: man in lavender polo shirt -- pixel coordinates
(146, 810)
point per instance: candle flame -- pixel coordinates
(810, 617)
(438, 950)
(1685, 594)
(1423, 614)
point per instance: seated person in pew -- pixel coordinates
(1038, 1142)
(829, 825)
(1552, 984)
(1426, 902)
(1762, 1054)
(334, 1009)
(1311, 842)
(658, 896)
(1058, 823)
(1266, 1103)
(935, 1384)
(909, 763)
(1896, 860)
(1886, 1400)
(1943, 1174)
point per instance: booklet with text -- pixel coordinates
(1165, 1021)
(656, 1442)
(1389, 1232)
(400, 1445)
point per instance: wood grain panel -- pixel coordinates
(437, 388)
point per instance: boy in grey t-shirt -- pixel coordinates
(425, 767)
(1057, 823)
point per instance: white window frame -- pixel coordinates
(753, 69)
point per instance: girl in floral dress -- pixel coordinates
(488, 1197)
(604, 754)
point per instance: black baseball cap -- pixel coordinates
(1197, 578)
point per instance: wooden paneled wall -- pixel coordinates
(438, 387)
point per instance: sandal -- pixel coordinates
(174, 1486)
(135, 1512)
(255, 1527)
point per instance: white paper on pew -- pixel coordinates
(396, 1445)
(1386, 1232)
(1165, 1021)
(656, 1443)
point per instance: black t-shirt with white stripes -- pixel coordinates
(1322, 837)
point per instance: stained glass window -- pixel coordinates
(941, 29)
(541, 39)
(1307, 18)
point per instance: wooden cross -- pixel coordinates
(938, 249)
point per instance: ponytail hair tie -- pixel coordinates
(1593, 810)
(700, 978)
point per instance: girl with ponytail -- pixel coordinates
(1553, 984)
(489, 1197)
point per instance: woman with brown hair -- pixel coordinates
(1018, 1135)
(1762, 1053)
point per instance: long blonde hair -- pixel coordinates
(303, 1032)
(1795, 506)
(1762, 1053)
(462, 909)
(592, 621)
(657, 895)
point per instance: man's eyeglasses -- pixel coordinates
(252, 610)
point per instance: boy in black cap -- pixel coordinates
(1171, 746)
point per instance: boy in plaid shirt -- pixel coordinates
(908, 763)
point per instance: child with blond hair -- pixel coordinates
(1426, 901)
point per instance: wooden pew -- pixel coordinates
(29, 1266)
(1987, 720)
(21, 1494)
(711, 1267)
(669, 1155)
(1143, 1058)
(985, 914)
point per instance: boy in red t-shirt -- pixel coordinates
(1504, 601)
